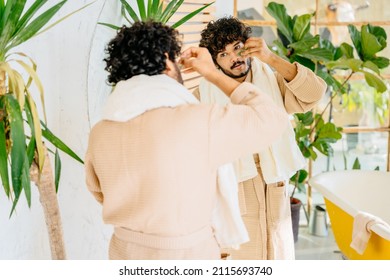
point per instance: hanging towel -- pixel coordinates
(283, 158)
(142, 93)
(361, 231)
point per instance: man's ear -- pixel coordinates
(169, 65)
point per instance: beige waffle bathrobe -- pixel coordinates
(155, 174)
(263, 177)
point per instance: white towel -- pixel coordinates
(283, 158)
(142, 93)
(361, 231)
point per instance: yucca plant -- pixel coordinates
(23, 151)
(156, 10)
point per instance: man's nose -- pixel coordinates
(234, 56)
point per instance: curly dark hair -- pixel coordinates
(218, 34)
(141, 49)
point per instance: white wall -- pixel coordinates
(62, 55)
(69, 59)
(224, 8)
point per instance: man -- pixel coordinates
(153, 159)
(262, 177)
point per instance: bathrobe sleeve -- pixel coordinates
(249, 124)
(92, 180)
(303, 92)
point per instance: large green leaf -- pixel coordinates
(1, 11)
(189, 16)
(356, 39)
(115, 27)
(58, 143)
(331, 81)
(31, 150)
(130, 10)
(4, 157)
(281, 50)
(142, 10)
(57, 169)
(374, 81)
(380, 61)
(26, 182)
(283, 20)
(324, 148)
(304, 61)
(13, 18)
(329, 133)
(379, 33)
(155, 11)
(11, 22)
(351, 63)
(305, 44)
(326, 44)
(170, 10)
(317, 54)
(7, 8)
(155, 7)
(347, 50)
(18, 138)
(305, 118)
(30, 13)
(372, 66)
(370, 44)
(301, 26)
(300, 176)
(36, 25)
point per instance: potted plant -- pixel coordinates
(298, 181)
(295, 43)
(156, 10)
(24, 134)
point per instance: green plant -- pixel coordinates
(23, 152)
(296, 43)
(154, 10)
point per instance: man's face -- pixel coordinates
(230, 61)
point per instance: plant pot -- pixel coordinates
(295, 213)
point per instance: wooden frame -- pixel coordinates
(346, 130)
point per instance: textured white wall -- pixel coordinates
(69, 59)
(63, 56)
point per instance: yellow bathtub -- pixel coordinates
(348, 192)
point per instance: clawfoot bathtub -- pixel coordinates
(348, 192)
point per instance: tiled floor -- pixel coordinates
(311, 247)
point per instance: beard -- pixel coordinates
(242, 74)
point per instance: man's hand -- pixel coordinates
(257, 47)
(199, 60)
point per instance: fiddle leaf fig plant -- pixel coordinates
(156, 10)
(296, 43)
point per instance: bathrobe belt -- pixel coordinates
(162, 242)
